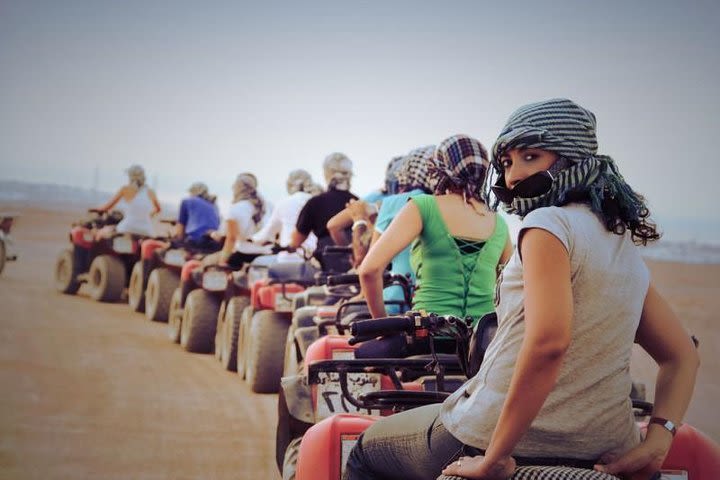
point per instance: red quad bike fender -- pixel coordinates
(694, 452)
(326, 445)
(149, 246)
(187, 269)
(336, 347)
(263, 294)
(82, 237)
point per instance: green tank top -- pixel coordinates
(451, 282)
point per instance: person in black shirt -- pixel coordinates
(318, 210)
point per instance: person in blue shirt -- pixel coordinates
(198, 219)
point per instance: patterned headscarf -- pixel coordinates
(299, 181)
(414, 171)
(338, 170)
(199, 189)
(391, 182)
(245, 188)
(136, 175)
(561, 126)
(461, 163)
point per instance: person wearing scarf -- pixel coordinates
(553, 387)
(456, 242)
(198, 219)
(242, 221)
(139, 206)
(284, 216)
(316, 213)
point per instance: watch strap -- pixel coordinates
(665, 423)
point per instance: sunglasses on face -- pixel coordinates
(532, 186)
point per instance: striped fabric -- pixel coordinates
(549, 473)
(461, 162)
(561, 126)
(414, 171)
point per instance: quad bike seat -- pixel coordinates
(296, 272)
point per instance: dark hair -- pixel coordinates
(619, 217)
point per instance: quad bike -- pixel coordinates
(310, 323)
(156, 275)
(334, 382)
(263, 330)
(6, 244)
(325, 446)
(99, 257)
(235, 307)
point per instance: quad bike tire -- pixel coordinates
(243, 340)
(233, 319)
(66, 272)
(197, 334)
(264, 368)
(106, 278)
(175, 314)
(220, 329)
(287, 438)
(291, 366)
(292, 453)
(136, 288)
(161, 286)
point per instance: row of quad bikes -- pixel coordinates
(293, 329)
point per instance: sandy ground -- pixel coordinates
(92, 390)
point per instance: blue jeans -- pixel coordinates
(412, 445)
(415, 445)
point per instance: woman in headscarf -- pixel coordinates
(553, 388)
(139, 206)
(242, 222)
(284, 216)
(314, 216)
(198, 218)
(455, 234)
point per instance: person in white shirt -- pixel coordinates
(139, 204)
(284, 217)
(242, 220)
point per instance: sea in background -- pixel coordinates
(685, 240)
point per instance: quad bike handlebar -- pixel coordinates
(409, 323)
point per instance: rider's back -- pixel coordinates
(136, 207)
(456, 256)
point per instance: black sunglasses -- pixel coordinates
(533, 186)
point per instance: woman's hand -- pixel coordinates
(641, 462)
(479, 468)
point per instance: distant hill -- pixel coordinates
(57, 197)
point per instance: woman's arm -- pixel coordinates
(548, 324)
(155, 203)
(270, 230)
(662, 335)
(402, 230)
(231, 236)
(113, 201)
(337, 225)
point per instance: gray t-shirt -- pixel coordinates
(589, 411)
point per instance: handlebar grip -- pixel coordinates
(344, 279)
(381, 326)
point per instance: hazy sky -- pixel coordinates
(205, 90)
